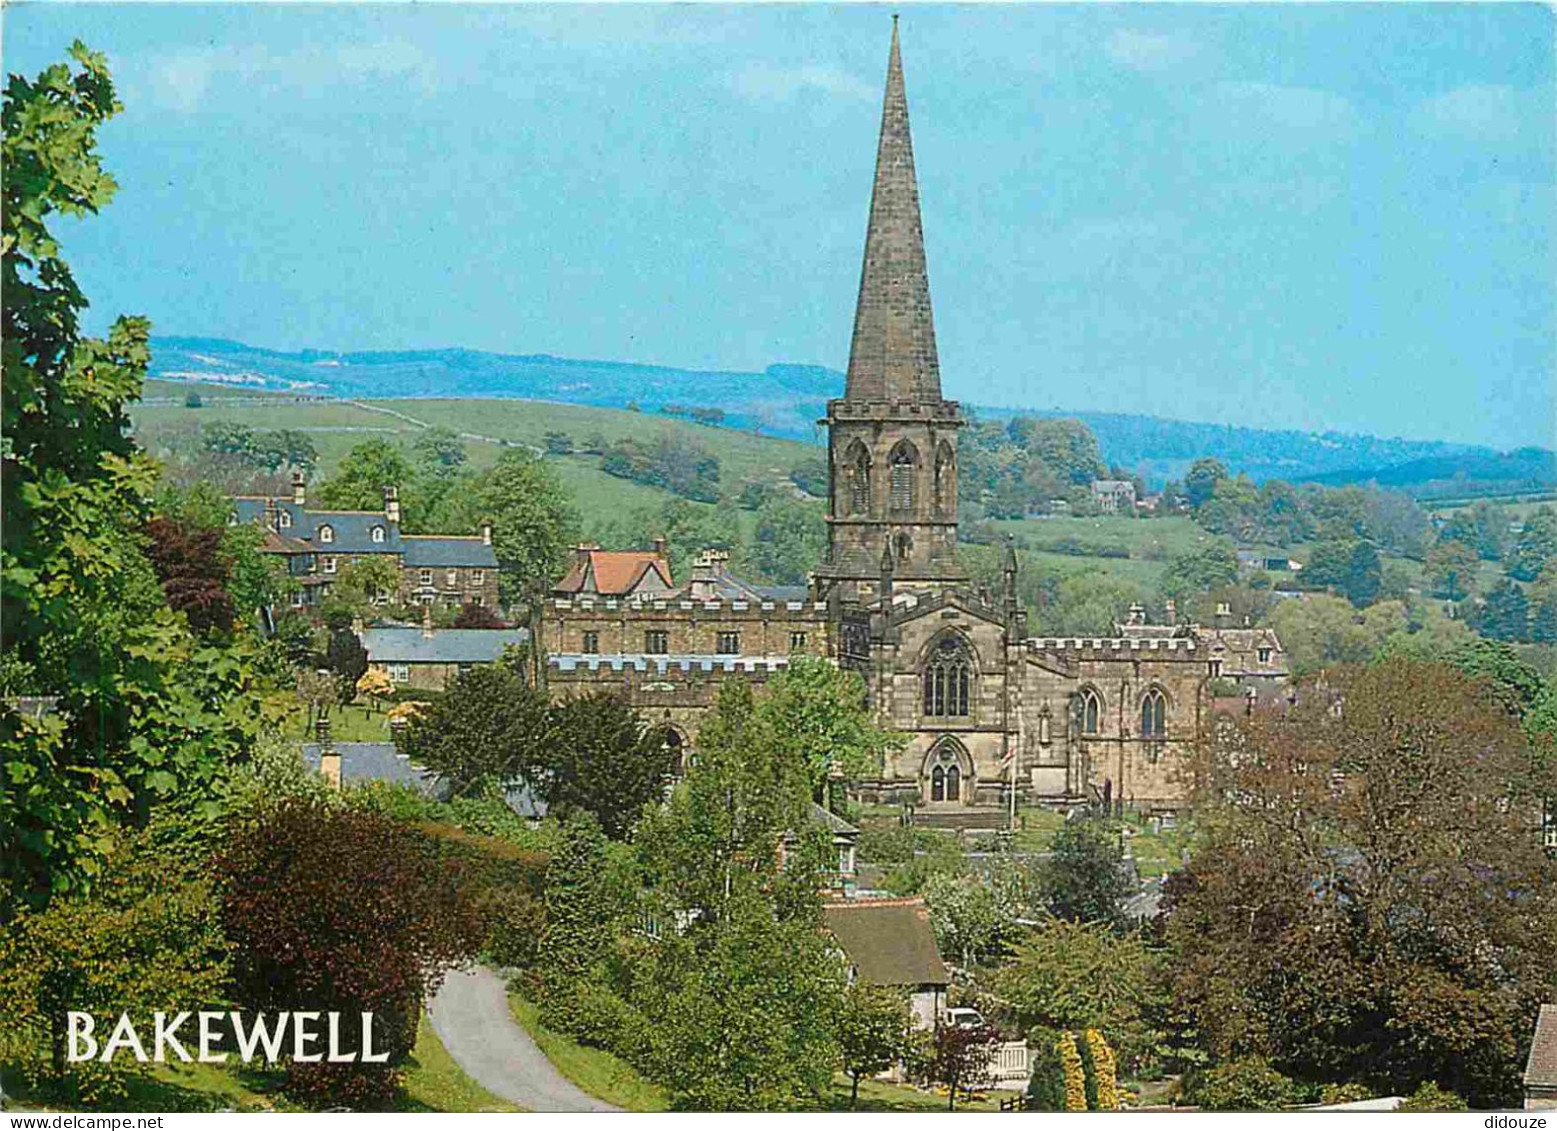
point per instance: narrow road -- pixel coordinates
(470, 1015)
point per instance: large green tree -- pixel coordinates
(533, 522)
(133, 710)
(600, 757)
(1370, 899)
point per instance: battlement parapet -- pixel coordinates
(1109, 646)
(664, 666)
(616, 605)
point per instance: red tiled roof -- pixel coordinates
(616, 573)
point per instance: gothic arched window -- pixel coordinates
(1091, 711)
(1154, 713)
(903, 466)
(905, 547)
(945, 475)
(948, 679)
(857, 462)
(946, 776)
(326, 534)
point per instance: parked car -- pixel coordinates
(964, 1018)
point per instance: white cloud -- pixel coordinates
(1147, 51)
(1496, 114)
(1293, 109)
(762, 82)
(183, 80)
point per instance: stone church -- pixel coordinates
(989, 711)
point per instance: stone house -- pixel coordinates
(1114, 496)
(427, 658)
(616, 573)
(445, 569)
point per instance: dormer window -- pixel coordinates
(378, 534)
(327, 533)
(1264, 654)
(284, 520)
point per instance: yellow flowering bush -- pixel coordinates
(1106, 1071)
(1075, 1079)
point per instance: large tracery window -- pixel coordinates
(903, 467)
(1154, 714)
(1091, 711)
(858, 470)
(948, 678)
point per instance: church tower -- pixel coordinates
(892, 440)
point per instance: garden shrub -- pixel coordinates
(1247, 1084)
(1430, 1097)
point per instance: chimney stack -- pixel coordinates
(272, 515)
(1223, 611)
(1172, 611)
(392, 504)
(486, 533)
(658, 545)
(427, 624)
(299, 488)
(329, 757)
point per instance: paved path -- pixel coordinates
(470, 1015)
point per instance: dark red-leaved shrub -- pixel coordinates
(193, 570)
(350, 911)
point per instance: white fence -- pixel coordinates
(1011, 1065)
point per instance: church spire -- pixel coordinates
(892, 356)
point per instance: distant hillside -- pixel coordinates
(787, 400)
(1450, 477)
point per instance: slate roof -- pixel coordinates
(1541, 1068)
(889, 942)
(615, 572)
(441, 646)
(380, 761)
(353, 529)
(831, 821)
(447, 550)
(377, 761)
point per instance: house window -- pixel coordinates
(1154, 712)
(729, 643)
(591, 643)
(797, 642)
(378, 534)
(465, 669)
(329, 563)
(656, 642)
(399, 673)
(477, 577)
(425, 577)
(1216, 669)
(284, 520)
(1264, 654)
(380, 597)
(453, 577)
(297, 599)
(427, 598)
(948, 674)
(477, 600)
(902, 468)
(1091, 711)
(327, 533)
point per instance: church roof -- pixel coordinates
(892, 356)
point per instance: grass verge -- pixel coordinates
(603, 1075)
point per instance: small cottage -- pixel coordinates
(889, 942)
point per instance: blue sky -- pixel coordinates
(1317, 216)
